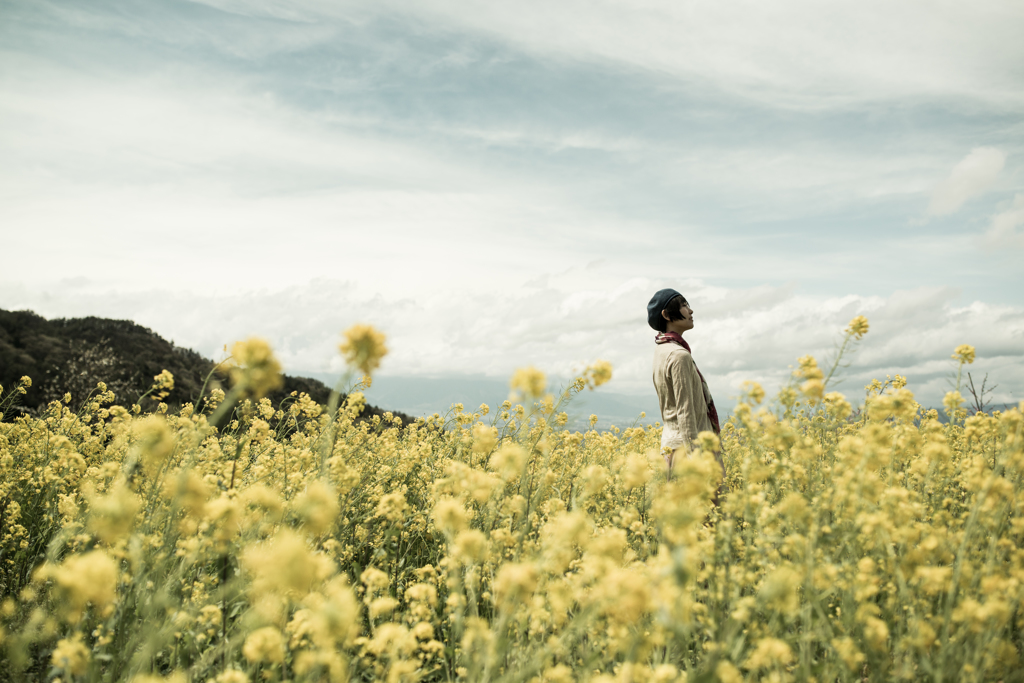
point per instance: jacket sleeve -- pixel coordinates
(689, 396)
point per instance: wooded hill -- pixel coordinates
(71, 355)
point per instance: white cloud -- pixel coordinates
(152, 176)
(196, 133)
(972, 176)
(205, 132)
(799, 53)
(120, 179)
(134, 172)
(789, 54)
(1004, 231)
(289, 11)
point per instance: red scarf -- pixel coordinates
(666, 337)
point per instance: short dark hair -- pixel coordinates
(673, 309)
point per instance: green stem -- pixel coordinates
(839, 357)
(327, 447)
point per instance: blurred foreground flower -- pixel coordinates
(71, 655)
(528, 382)
(858, 327)
(363, 348)
(952, 401)
(264, 645)
(964, 353)
(599, 373)
(87, 579)
(258, 371)
(754, 391)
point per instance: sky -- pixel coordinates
(497, 185)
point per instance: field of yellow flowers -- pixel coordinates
(253, 542)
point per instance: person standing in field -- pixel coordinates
(685, 400)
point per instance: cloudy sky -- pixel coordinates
(502, 184)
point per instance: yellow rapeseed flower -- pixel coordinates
(86, 579)
(392, 506)
(847, 650)
(232, 676)
(381, 606)
(876, 634)
(964, 354)
(111, 517)
(559, 673)
(258, 371)
(813, 389)
(484, 439)
(837, 406)
(726, 672)
(375, 580)
(809, 369)
(363, 348)
(952, 401)
(173, 677)
(509, 461)
(769, 652)
(285, 566)
(154, 442)
(932, 580)
(71, 655)
(449, 516)
(513, 582)
(318, 507)
(163, 384)
(780, 589)
(471, 545)
(224, 513)
(858, 327)
(599, 373)
(528, 382)
(754, 391)
(637, 471)
(190, 491)
(264, 645)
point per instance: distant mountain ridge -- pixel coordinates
(71, 355)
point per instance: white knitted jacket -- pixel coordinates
(682, 395)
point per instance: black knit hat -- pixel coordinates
(658, 303)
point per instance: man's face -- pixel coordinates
(687, 315)
(686, 323)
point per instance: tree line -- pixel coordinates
(72, 355)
